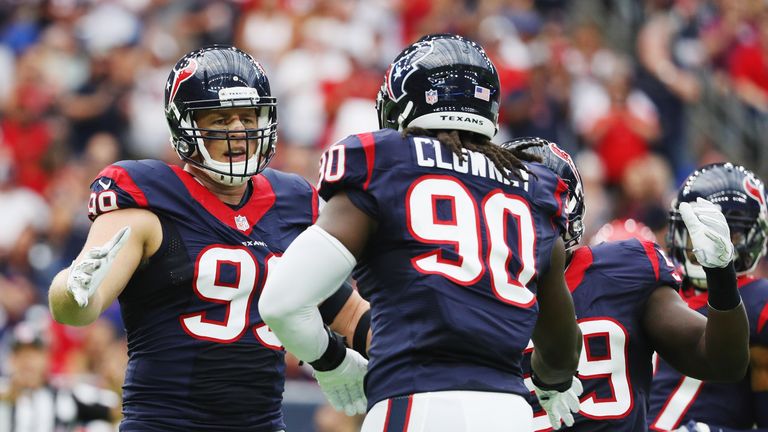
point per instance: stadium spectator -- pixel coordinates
(625, 131)
(669, 52)
(30, 401)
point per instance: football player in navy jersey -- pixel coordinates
(627, 305)
(187, 250)
(689, 403)
(456, 244)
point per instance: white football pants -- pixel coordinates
(454, 411)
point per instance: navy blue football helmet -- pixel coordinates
(560, 162)
(741, 197)
(442, 81)
(220, 77)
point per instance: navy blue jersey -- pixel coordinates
(200, 357)
(610, 284)
(451, 271)
(677, 399)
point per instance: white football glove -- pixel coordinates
(343, 386)
(86, 276)
(709, 233)
(560, 405)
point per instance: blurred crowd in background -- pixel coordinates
(639, 91)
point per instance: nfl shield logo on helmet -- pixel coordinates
(430, 96)
(242, 223)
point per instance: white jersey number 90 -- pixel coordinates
(462, 232)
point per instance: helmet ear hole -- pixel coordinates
(185, 149)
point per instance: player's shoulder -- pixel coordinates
(141, 165)
(387, 137)
(131, 184)
(133, 170)
(634, 259)
(374, 143)
(295, 198)
(754, 293)
(750, 283)
(283, 182)
(544, 178)
(381, 137)
(544, 188)
(540, 170)
(623, 248)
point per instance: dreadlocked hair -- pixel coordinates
(507, 161)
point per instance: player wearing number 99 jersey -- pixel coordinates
(453, 240)
(624, 293)
(197, 245)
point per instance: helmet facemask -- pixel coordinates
(260, 143)
(749, 240)
(387, 110)
(747, 235)
(681, 249)
(575, 207)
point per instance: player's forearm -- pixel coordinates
(556, 336)
(726, 337)
(354, 322)
(727, 343)
(65, 309)
(300, 330)
(557, 342)
(310, 270)
(556, 363)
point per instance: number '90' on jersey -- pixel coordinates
(451, 271)
(200, 357)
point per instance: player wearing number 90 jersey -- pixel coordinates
(191, 254)
(455, 243)
(453, 263)
(624, 293)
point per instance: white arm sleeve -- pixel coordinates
(311, 269)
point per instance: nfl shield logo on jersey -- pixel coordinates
(242, 223)
(430, 96)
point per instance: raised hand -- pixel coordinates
(86, 276)
(709, 233)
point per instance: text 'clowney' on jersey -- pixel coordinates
(430, 154)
